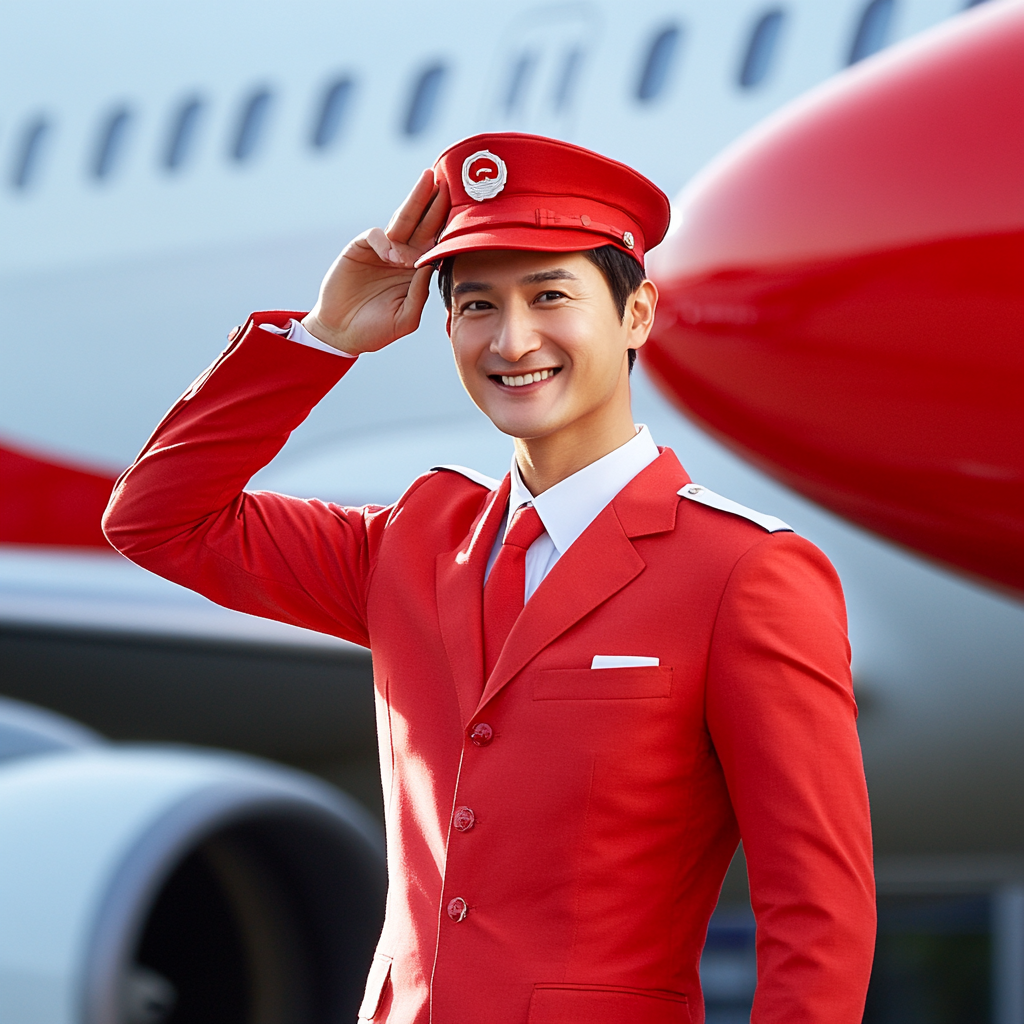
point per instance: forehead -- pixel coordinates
(495, 265)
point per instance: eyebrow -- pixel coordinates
(470, 286)
(557, 274)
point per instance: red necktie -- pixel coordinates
(505, 589)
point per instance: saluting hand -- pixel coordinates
(373, 295)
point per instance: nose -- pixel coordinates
(516, 336)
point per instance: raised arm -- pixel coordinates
(782, 717)
(181, 509)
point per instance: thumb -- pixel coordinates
(385, 249)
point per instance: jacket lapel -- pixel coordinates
(460, 585)
(601, 562)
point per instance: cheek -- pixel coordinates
(467, 349)
(596, 361)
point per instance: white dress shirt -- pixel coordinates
(569, 507)
(296, 332)
(566, 509)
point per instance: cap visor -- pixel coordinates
(520, 238)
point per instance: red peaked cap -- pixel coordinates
(514, 191)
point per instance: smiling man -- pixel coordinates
(593, 677)
(543, 345)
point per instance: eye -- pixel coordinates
(475, 305)
(551, 296)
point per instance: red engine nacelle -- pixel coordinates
(843, 297)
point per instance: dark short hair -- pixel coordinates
(622, 272)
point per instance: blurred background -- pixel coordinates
(165, 169)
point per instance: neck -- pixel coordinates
(546, 461)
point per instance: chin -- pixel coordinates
(508, 423)
(511, 427)
(526, 431)
(514, 422)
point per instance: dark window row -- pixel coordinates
(871, 33)
(245, 138)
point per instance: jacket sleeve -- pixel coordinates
(782, 718)
(181, 510)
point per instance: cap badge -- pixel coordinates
(627, 239)
(484, 175)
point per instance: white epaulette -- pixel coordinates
(699, 493)
(471, 474)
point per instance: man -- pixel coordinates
(594, 677)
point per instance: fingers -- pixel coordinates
(433, 220)
(389, 246)
(409, 214)
(412, 309)
(415, 224)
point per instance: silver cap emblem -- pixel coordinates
(627, 239)
(483, 175)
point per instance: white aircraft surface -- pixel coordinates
(166, 168)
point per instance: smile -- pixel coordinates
(520, 380)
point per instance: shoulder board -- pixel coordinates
(471, 474)
(700, 494)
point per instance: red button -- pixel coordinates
(457, 909)
(464, 818)
(481, 734)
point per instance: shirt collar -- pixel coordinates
(569, 507)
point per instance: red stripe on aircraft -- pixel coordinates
(51, 503)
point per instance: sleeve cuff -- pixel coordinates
(296, 332)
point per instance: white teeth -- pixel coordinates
(526, 378)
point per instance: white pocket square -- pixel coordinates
(622, 661)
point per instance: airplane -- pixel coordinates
(169, 169)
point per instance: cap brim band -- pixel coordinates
(530, 239)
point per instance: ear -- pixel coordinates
(448, 325)
(640, 308)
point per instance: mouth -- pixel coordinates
(522, 380)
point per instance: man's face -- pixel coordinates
(538, 340)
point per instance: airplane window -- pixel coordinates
(564, 88)
(872, 31)
(110, 145)
(332, 112)
(423, 101)
(519, 81)
(27, 160)
(183, 134)
(658, 64)
(760, 55)
(251, 125)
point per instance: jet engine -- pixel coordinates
(160, 885)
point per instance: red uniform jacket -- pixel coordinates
(607, 804)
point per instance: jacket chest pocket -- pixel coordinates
(638, 681)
